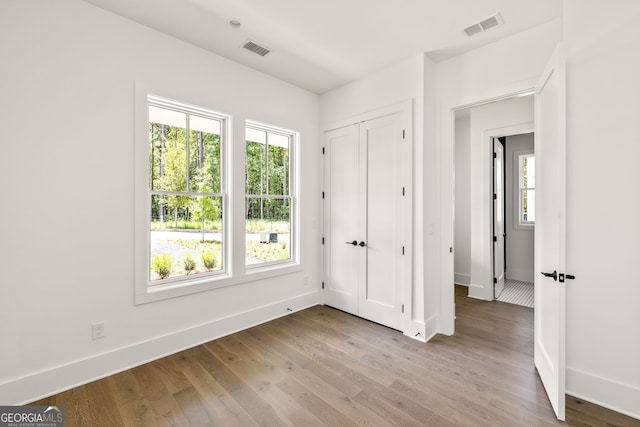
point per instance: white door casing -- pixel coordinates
(550, 241)
(498, 218)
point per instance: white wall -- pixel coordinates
(519, 243)
(603, 130)
(392, 85)
(67, 108)
(491, 120)
(462, 221)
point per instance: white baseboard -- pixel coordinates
(416, 331)
(41, 384)
(617, 396)
(479, 292)
(461, 279)
(520, 275)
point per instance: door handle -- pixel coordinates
(362, 244)
(354, 243)
(554, 275)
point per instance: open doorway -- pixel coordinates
(494, 254)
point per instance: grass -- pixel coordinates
(252, 225)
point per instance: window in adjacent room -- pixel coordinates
(527, 185)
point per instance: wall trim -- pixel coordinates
(462, 279)
(611, 394)
(38, 385)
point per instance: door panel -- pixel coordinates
(341, 216)
(498, 218)
(549, 312)
(380, 297)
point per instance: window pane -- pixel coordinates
(530, 172)
(167, 149)
(204, 155)
(185, 237)
(529, 205)
(278, 165)
(256, 167)
(268, 226)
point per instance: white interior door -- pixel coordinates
(380, 297)
(342, 210)
(498, 218)
(363, 220)
(550, 148)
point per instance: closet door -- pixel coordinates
(380, 293)
(363, 220)
(342, 211)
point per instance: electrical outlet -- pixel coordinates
(97, 330)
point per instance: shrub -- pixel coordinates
(210, 259)
(189, 263)
(161, 264)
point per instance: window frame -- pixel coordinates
(293, 138)
(147, 290)
(519, 189)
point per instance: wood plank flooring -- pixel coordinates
(322, 367)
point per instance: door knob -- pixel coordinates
(362, 244)
(554, 275)
(354, 243)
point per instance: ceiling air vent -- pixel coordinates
(256, 48)
(484, 25)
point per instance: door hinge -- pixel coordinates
(403, 308)
(323, 194)
(322, 150)
(403, 134)
(495, 280)
(323, 240)
(495, 238)
(322, 285)
(403, 191)
(495, 156)
(403, 250)
(495, 196)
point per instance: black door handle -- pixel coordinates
(362, 244)
(554, 275)
(354, 243)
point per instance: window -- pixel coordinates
(186, 193)
(527, 186)
(269, 200)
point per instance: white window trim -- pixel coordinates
(517, 223)
(293, 261)
(237, 272)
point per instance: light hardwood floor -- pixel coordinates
(321, 366)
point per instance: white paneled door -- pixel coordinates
(363, 220)
(550, 215)
(498, 218)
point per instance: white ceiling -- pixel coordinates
(320, 45)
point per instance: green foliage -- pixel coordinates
(189, 263)
(210, 259)
(258, 225)
(161, 265)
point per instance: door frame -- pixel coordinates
(446, 321)
(405, 109)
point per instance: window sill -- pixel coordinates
(196, 285)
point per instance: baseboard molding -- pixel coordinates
(479, 292)
(614, 395)
(461, 279)
(41, 384)
(520, 275)
(416, 331)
